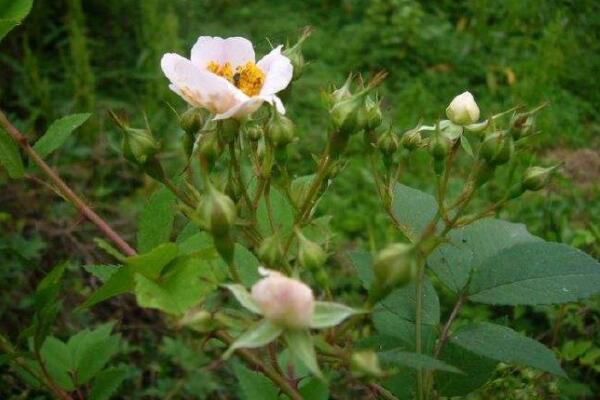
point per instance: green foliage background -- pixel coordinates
(75, 56)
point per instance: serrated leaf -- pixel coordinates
(503, 344)
(395, 315)
(300, 345)
(92, 350)
(329, 314)
(472, 245)
(477, 370)
(243, 297)
(535, 273)
(254, 385)
(57, 357)
(107, 382)
(261, 334)
(10, 158)
(362, 262)
(413, 210)
(102, 271)
(120, 282)
(58, 133)
(156, 220)
(415, 361)
(281, 211)
(179, 289)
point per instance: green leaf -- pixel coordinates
(179, 289)
(329, 314)
(156, 220)
(301, 347)
(57, 357)
(415, 361)
(199, 244)
(281, 211)
(362, 262)
(91, 350)
(413, 210)
(535, 273)
(107, 382)
(466, 146)
(12, 12)
(395, 316)
(503, 344)
(10, 157)
(314, 389)
(102, 271)
(258, 335)
(247, 265)
(58, 133)
(152, 263)
(477, 370)
(120, 282)
(243, 297)
(254, 385)
(471, 246)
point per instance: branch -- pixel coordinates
(65, 190)
(269, 372)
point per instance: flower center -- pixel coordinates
(248, 77)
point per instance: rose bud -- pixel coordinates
(192, 120)
(535, 178)
(284, 301)
(369, 115)
(497, 148)
(463, 109)
(310, 255)
(388, 142)
(279, 130)
(411, 139)
(270, 251)
(219, 212)
(393, 266)
(295, 55)
(365, 363)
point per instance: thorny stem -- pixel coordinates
(65, 190)
(269, 372)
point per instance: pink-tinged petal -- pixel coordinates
(235, 50)
(199, 87)
(278, 70)
(275, 101)
(242, 109)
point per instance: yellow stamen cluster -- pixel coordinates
(248, 77)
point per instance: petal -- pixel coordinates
(278, 70)
(199, 87)
(235, 50)
(241, 109)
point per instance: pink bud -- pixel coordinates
(284, 301)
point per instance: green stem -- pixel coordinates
(418, 323)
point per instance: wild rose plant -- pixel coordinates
(252, 276)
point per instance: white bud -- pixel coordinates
(463, 110)
(284, 301)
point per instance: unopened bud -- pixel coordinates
(284, 301)
(522, 125)
(388, 142)
(497, 148)
(208, 146)
(535, 178)
(228, 129)
(295, 55)
(139, 145)
(411, 139)
(369, 115)
(193, 119)
(310, 255)
(343, 92)
(463, 109)
(394, 265)
(280, 129)
(252, 130)
(270, 251)
(439, 146)
(219, 212)
(366, 363)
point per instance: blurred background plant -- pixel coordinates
(74, 56)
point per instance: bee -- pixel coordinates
(236, 79)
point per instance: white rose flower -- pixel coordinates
(284, 301)
(463, 109)
(223, 77)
